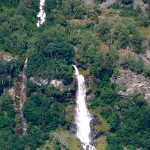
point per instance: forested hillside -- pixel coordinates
(109, 41)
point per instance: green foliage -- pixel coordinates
(6, 113)
(73, 8)
(89, 49)
(7, 122)
(13, 37)
(8, 140)
(7, 72)
(136, 65)
(136, 41)
(143, 20)
(103, 29)
(38, 108)
(126, 34)
(56, 17)
(147, 70)
(17, 43)
(10, 3)
(126, 8)
(128, 123)
(69, 8)
(53, 56)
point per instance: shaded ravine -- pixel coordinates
(19, 96)
(83, 116)
(41, 15)
(23, 95)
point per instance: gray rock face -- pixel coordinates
(132, 82)
(139, 3)
(6, 57)
(146, 56)
(107, 3)
(39, 81)
(57, 84)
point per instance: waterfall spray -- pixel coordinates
(41, 15)
(83, 116)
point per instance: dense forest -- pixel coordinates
(101, 42)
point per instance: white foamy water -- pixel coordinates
(83, 116)
(41, 15)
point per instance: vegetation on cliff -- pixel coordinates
(95, 40)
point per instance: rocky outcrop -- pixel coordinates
(57, 84)
(39, 81)
(146, 56)
(88, 1)
(131, 83)
(7, 57)
(139, 3)
(107, 3)
(136, 4)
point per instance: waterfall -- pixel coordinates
(41, 15)
(23, 97)
(83, 116)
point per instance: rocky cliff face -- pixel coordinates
(139, 3)
(136, 4)
(19, 97)
(129, 82)
(18, 93)
(39, 81)
(107, 3)
(7, 57)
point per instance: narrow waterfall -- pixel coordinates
(83, 116)
(41, 15)
(23, 97)
(18, 93)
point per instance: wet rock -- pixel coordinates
(73, 128)
(99, 134)
(95, 121)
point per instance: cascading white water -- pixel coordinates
(83, 116)
(41, 15)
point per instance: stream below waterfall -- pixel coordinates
(83, 116)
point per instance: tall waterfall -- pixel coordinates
(41, 15)
(83, 116)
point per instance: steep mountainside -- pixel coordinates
(108, 41)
